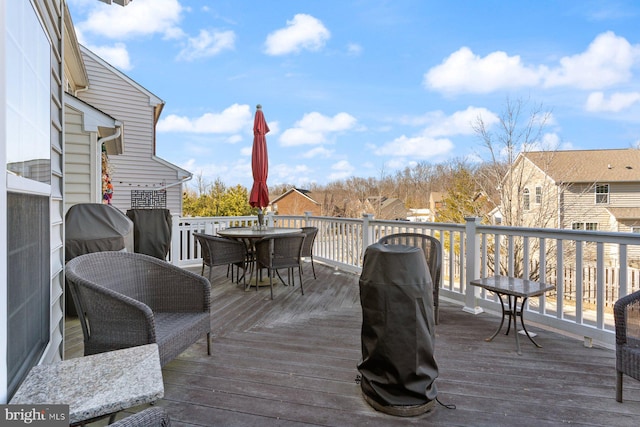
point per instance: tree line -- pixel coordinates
(467, 188)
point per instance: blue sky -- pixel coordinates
(367, 87)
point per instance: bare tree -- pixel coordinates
(518, 132)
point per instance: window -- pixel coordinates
(28, 169)
(635, 230)
(589, 226)
(602, 193)
(538, 195)
(526, 203)
(28, 94)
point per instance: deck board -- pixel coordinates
(293, 362)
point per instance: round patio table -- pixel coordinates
(252, 235)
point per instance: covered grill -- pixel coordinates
(398, 367)
(94, 227)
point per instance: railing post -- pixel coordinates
(367, 231)
(270, 219)
(472, 271)
(307, 221)
(175, 239)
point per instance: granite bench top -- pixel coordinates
(96, 385)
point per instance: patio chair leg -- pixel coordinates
(313, 268)
(209, 343)
(271, 283)
(619, 386)
(300, 276)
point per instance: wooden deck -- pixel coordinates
(292, 362)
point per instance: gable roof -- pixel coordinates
(154, 101)
(625, 213)
(619, 165)
(304, 193)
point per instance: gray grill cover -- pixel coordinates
(398, 367)
(152, 231)
(94, 227)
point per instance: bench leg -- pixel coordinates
(619, 386)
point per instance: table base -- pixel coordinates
(512, 313)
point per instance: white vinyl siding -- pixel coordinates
(137, 168)
(82, 182)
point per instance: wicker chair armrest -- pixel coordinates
(627, 319)
(111, 317)
(150, 417)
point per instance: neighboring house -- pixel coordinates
(387, 208)
(140, 179)
(296, 201)
(435, 203)
(578, 189)
(419, 215)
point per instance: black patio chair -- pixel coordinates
(433, 254)
(307, 247)
(280, 252)
(221, 251)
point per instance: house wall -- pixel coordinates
(527, 176)
(81, 180)
(295, 203)
(50, 15)
(51, 12)
(137, 168)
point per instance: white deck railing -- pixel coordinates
(589, 269)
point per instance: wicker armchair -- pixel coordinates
(127, 299)
(278, 252)
(307, 247)
(150, 417)
(626, 313)
(221, 251)
(433, 254)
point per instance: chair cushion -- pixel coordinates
(177, 331)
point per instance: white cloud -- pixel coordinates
(616, 102)
(206, 44)
(354, 49)
(302, 32)
(116, 55)
(459, 123)
(419, 147)
(341, 170)
(140, 17)
(236, 118)
(313, 128)
(318, 152)
(607, 61)
(296, 174)
(463, 71)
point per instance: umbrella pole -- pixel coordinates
(260, 218)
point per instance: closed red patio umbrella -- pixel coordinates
(259, 197)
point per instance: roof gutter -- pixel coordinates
(116, 135)
(182, 181)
